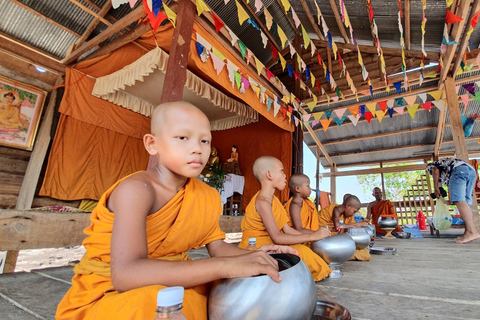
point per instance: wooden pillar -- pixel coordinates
(176, 73)
(8, 261)
(333, 184)
(298, 134)
(383, 182)
(317, 180)
(458, 135)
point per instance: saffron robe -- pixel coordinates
(188, 221)
(308, 214)
(253, 227)
(325, 218)
(384, 207)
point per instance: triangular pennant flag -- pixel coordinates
(328, 114)
(362, 109)
(295, 18)
(470, 87)
(268, 19)
(238, 79)
(380, 114)
(286, 5)
(427, 105)
(245, 83)
(269, 103)
(200, 48)
(243, 48)
(283, 37)
(335, 98)
(218, 64)
(399, 101)
(172, 16)
(398, 86)
(318, 115)
(274, 50)
(372, 107)
(464, 99)
(410, 100)
(242, 14)
(296, 121)
(452, 18)
(399, 110)
(325, 124)
(474, 20)
(264, 39)
(339, 121)
(457, 87)
(368, 115)
(440, 105)
(382, 105)
(306, 117)
(354, 119)
(218, 22)
(306, 38)
(412, 110)
(423, 96)
(283, 62)
(233, 36)
(390, 103)
(436, 94)
(259, 65)
(276, 105)
(311, 106)
(231, 72)
(269, 74)
(290, 70)
(390, 112)
(339, 112)
(258, 5)
(353, 110)
(219, 54)
(201, 7)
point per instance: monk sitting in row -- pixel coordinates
(144, 224)
(378, 208)
(332, 215)
(267, 221)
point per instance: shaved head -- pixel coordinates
(171, 111)
(263, 164)
(376, 188)
(346, 196)
(297, 179)
(352, 200)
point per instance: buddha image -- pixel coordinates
(11, 119)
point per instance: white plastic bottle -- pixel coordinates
(169, 304)
(251, 244)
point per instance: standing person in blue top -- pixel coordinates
(459, 177)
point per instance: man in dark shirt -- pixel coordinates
(460, 178)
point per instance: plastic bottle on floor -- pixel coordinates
(169, 304)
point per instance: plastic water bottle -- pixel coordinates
(169, 304)
(251, 244)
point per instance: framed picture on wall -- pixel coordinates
(20, 110)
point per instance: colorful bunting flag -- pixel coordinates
(399, 101)
(274, 50)
(306, 38)
(452, 18)
(218, 22)
(410, 100)
(259, 66)
(201, 7)
(340, 112)
(286, 5)
(372, 107)
(390, 112)
(353, 110)
(268, 18)
(412, 110)
(172, 16)
(436, 94)
(368, 115)
(218, 63)
(470, 87)
(380, 114)
(238, 79)
(382, 105)
(325, 124)
(398, 86)
(354, 119)
(399, 110)
(339, 121)
(464, 99)
(242, 47)
(440, 105)
(318, 115)
(427, 105)
(242, 14)
(283, 37)
(422, 96)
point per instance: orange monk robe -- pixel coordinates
(384, 207)
(253, 227)
(188, 221)
(308, 214)
(325, 218)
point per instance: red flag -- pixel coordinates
(274, 50)
(290, 109)
(400, 8)
(296, 76)
(269, 73)
(218, 23)
(368, 116)
(284, 111)
(154, 21)
(474, 21)
(319, 59)
(319, 87)
(382, 105)
(452, 18)
(370, 10)
(339, 59)
(427, 105)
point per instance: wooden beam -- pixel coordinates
(262, 26)
(314, 25)
(8, 261)
(412, 167)
(289, 19)
(176, 73)
(333, 184)
(456, 120)
(407, 24)
(465, 38)
(93, 13)
(339, 21)
(317, 179)
(39, 57)
(37, 158)
(457, 29)
(35, 12)
(107, 33)
(27, 67)
(93, 24)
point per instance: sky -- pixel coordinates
(347, 184)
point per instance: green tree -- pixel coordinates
(396, 183)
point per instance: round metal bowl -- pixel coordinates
(327, 310)
(361, 237)
(383, 251)
(404, 235)
(262, 298)
(371, 229)
(335, 249)
(387, 223)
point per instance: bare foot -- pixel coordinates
(467, 238)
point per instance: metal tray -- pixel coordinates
(327, 310)
(383, 250)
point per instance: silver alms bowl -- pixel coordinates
(335, 249)
(387, 223)
(361, 237)
(371, 229)
(262, 298)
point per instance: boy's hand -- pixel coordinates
(273, 248)
(362, 223)
(251, 264)
(321, 233)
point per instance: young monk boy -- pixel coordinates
(144, 224)
(301, 211)
(331, 216)
(267, 221)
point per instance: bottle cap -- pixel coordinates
(171, 296)
(252, 240)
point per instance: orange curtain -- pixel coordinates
(252, 141)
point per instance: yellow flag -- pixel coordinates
(286, 99)
(259, 65)
(286, 5)
(314, 99)
(299, 62)
(218, 54)
(380, 114)
(306, 38)
(283, 37)
(201, 6)
(372, 107)
(312, 78)
(436, 94)
(282, 61)
(449, 3)
(242, 14)
(318, 115)
(292, 97)
(334, 47)
(311, 106)
(412, 110)
(268, 18)
(172, 16)
(255, 89)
